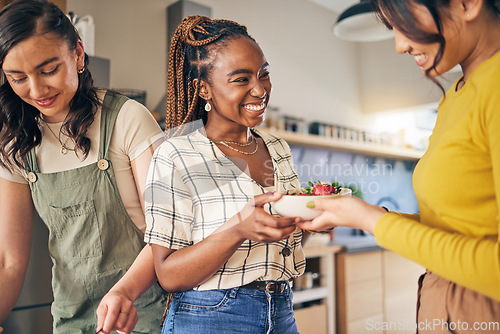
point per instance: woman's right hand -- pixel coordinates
(346, 211)
(116, 312)
(254, 223)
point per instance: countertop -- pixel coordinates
(354, 241)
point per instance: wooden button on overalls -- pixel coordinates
(32, 177)
(103, 164)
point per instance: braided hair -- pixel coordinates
(192, 53)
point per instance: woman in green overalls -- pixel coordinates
(79, 156)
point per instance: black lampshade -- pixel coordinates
(359, 24)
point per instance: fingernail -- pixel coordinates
(310, 204)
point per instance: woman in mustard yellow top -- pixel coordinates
(457, 181)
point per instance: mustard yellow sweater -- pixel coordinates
(457, 185)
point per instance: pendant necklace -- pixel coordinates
(226, 143)
(64, 148)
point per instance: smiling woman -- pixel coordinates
(61, 154)
(456, 234)
(42, 61)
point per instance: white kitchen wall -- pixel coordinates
(314, 74)
(391, 81)
(132, 34)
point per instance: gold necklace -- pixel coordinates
(239, 151)
(239, 144)
(64, 148)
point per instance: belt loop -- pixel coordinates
(233, 292)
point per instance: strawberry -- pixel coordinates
(319, 188)
(323, 189)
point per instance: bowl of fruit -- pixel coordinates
(295, 204)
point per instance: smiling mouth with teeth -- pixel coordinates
(255, 107)
(420, 57)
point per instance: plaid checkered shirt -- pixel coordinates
(193, 188)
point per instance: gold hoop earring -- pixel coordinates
(80, 71)
(208, 107)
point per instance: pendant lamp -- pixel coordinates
(359, 24)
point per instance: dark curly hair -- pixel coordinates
(19, 121)
(192, 52)
(398, 14)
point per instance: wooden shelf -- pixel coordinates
(294, 138)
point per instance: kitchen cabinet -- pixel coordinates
(400, 292)
(376, 291)
(315, 306)
(359, 290)
(370, 149)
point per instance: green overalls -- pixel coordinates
(92, 239)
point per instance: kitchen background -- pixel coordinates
(318, 79)
(315, 75)
(350, 91)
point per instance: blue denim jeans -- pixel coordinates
(236, 310)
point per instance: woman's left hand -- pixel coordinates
(346, 211)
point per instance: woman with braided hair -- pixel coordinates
(215, 241)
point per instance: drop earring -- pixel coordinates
(208, 107)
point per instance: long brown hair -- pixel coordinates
(19, 131)
(192, 52)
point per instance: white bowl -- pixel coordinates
(295, 205)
